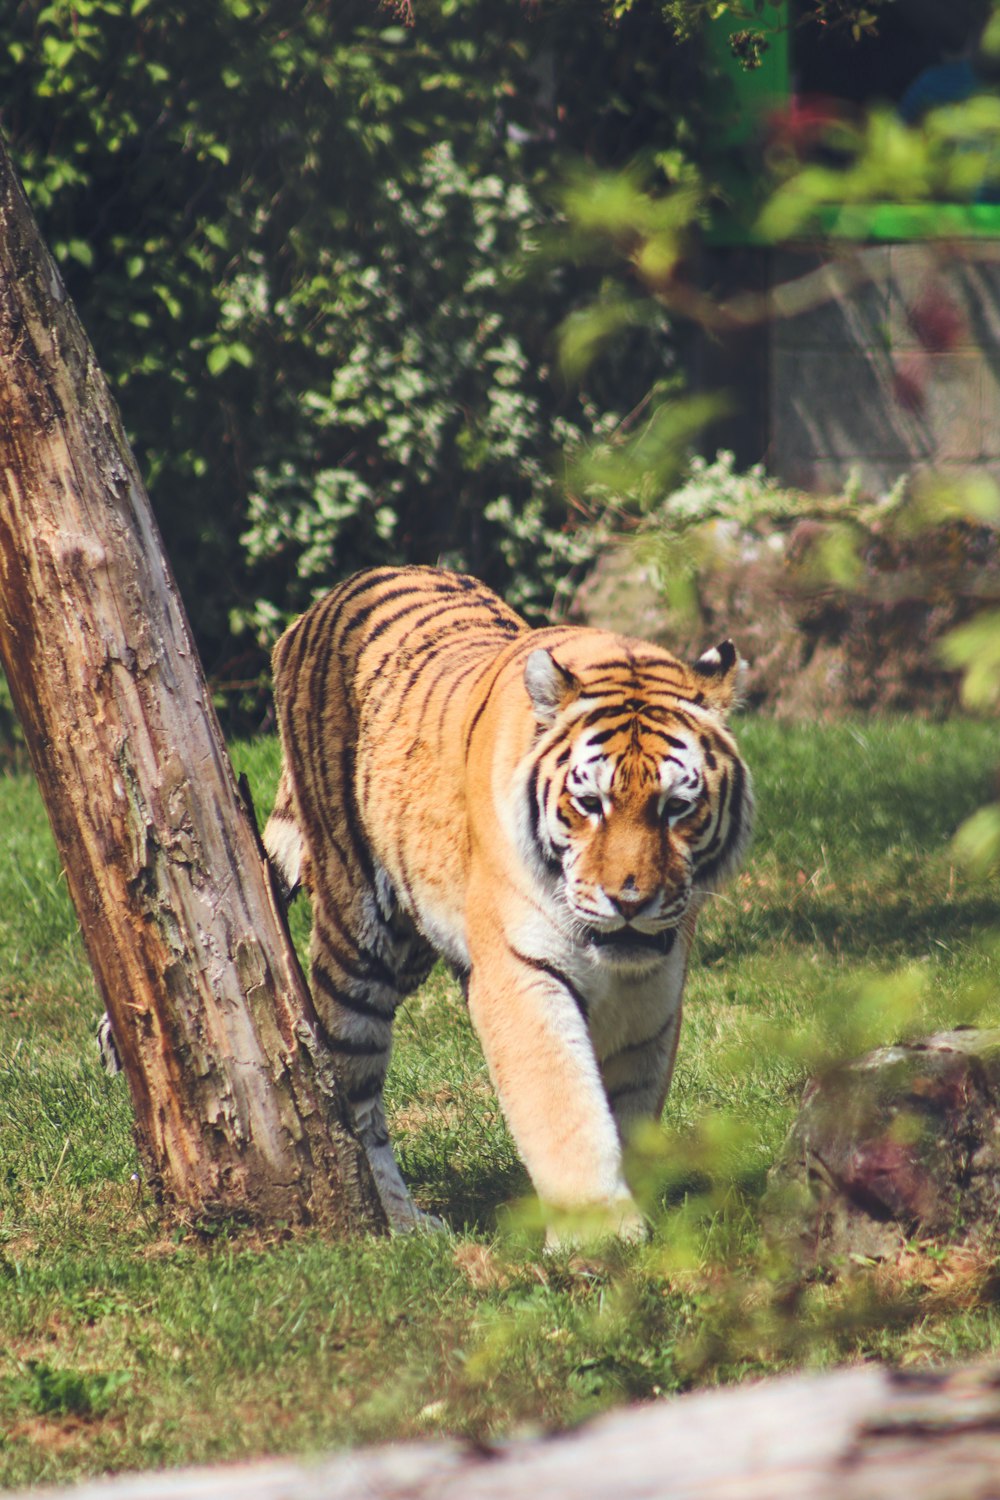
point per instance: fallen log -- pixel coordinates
(865, 1433)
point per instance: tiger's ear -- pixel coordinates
(720, 676)
(549, 685)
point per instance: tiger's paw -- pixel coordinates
(406, 1218)
(425, 1223)
(575, 1229)
(402, 1213)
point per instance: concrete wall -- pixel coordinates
(897, 369)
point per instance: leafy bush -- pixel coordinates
(432, 439)
(288, 228)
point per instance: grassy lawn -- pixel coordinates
(123, 1346)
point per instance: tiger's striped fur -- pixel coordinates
(547, 809)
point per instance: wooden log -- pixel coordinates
(865, 1433)
(186, 939)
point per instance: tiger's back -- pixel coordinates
(457, 783)
(372, 685)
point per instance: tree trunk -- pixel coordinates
(235, 1113)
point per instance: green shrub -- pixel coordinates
(289, 230)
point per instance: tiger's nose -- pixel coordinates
(630, 901)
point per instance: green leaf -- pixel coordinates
(977, 842)
(217, 359)
(221, 356)
(588, 330)
(57, 53)
(975, 648)
(74, 249)
(938, 498)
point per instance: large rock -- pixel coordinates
(815, 648)
(902, 1143)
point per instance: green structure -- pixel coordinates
(895, 366)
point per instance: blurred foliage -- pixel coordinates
(719, 1292)
(931, 542)
(688, 17)
(70, 1392)
(716, 516)
(974, 648)
(952, 154)
(756, 1308)
(646, 231)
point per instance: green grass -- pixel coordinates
(125, 1345)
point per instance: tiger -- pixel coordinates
(547, 810)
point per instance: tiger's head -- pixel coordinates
(637, 800)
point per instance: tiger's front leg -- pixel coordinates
(537, 1047)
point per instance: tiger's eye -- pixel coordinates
(590, 805)
(676, 807)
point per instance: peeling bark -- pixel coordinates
(182, 926)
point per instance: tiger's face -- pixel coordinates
(640, 802)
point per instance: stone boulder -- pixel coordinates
(814, 649)
(900, 1144)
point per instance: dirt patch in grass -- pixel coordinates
(446, 1106)
(943, 1277)
(59, 1434)
(18, 1247)
(481, 1266)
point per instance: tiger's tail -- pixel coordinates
(283, 840)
